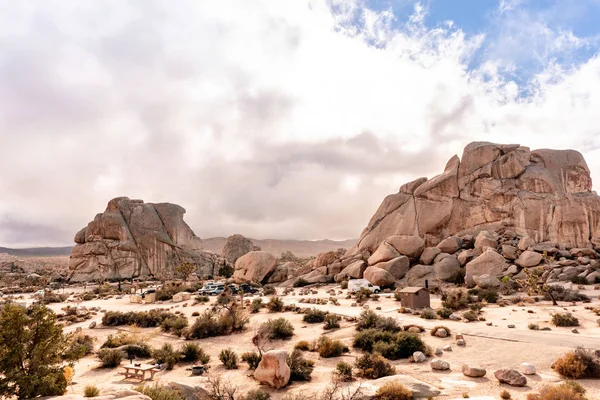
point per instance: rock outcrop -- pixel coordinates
(254, 267)
(136, 239)
(236, 246)
(545, 195)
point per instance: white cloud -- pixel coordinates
(268, 118)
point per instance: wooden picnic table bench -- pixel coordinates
(139, 371)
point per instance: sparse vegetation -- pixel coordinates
(231, 318)
(275, 304)
(505, 395)
(160, 392)
(470, 316)
(332, 321)
(393, 391)
(344, 284)
(191, 352)
(269, 290)
(577, 364)
(428, 313)
(444, 313)
(301, 369)
(256, 305)
(436, 328)
(374, 366)
(279, 328)
(314, 316)
(369, 319)
(166, 355)
(564, 319)
(252, 358)
(110, 358)
(533, 327)
(142, 319)
(229, 358)
(560, 293)
(455, 299)
(91, 391)
(329, 348)
(256, 394)
(579, 280)
(343, 370)
(176, 325)
(303, 345)
(202, 299)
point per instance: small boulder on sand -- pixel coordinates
(528, 369)
(472, 371)
(273, 369)
(511, 377)
(439, 364)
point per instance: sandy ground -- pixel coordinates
(492, 347)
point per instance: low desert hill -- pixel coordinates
(300, 248)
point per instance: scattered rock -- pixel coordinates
(449, 245)
(273, 369)
(472, 371)
(529, 259)
(528, 369)
(92, 325)
(510, 377)
(511, 325)
(429, 255)
(419, 357)
(438, 351)
(447, 348)
(441, 333)
(439, 364)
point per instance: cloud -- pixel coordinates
(269, 119)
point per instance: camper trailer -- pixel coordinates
(354, 285)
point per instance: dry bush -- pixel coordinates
(505, 395)
(564, 319)
(314, 316)
(579, 363)
(393, 391)
(228, 358)
(91, 391)
(303, 345)
(435, 329)
(110, 358)
(275, 304)
(564, 391)
(301, 369)
(374, 366)
(160, 392)
(328, 348)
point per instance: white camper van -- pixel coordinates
(354, 285)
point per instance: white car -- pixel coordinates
(39, 293)
(354, 285)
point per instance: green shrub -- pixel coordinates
(577, 364)
(362, 295)
(344, 371)
(301, 369)
(51, 297)
(369, 319)
(80, 345)
(301, 282)
(229, 358)
(110, 358)
(489, 295)
(218, 323)
(403, 345)
(470, 316)
(476, 307)
(444, 313)
(564, 319)
(138, 350)
(256, 305)
(328, 348)
(428, 313)
(91, 391)
(256, 394)
(252, 358)
(275, 304)
(332, 321)
(366, 339)
(314, 316)
(344, 284)
(279, 328)
(202, 299)
(191, 352)
(176, 325)
(269, 290)
(393, 391)
(160, 392)
(142, 319)
(166, 355)
(373, 366)
(226, 271)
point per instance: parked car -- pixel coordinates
(232, 288)
(217, 290)
(354, 285)
(248, 289)
(209, 287)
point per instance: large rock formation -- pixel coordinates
(545, 195)
(236, 246)
(254, 267)
(132, 238)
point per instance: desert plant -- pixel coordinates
(332, 321)
(160, 392)
(564, 319)
(436, 328)
(579, 280)
(564, 391)
(428, 313)
(191, 352)
(166, 355)
(80, 345)
(226, 271)
(444, 313)
(110, 358)
(279, 328)
(301, 282)
(369, 319)
(366, 339)
(269, 290)
(343, 371)
(403, 345)
(470, 316)
(393, 391)
(458, 278)
(314, 316)
(202, 299)
(256, 394)
(228, 358)
(560, 293)
(579, 363)
(455, 299)
(174, 325)
(373, 366)
(91, 391)
(344, 284)
(256, 305)
(301, 369)
(252, 358)
(362, 295)
(476, 307)
(139, 350)
(275, 304)
(505, 395)
(142, 319)
(329, 348)
(229, 319)
(303, 345)
(533, 327)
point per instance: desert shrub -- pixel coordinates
(218, 323)
(301, 282)
(458, 278)
(533, 327)
(110, 358)
(560, 293)
(505, 395)
(444, 313)
(403, 345)
(369, 319)
(470, 316)
(91, 391)
(174, 325)
(344, 284)
(80, 345)
(393, 391)
(142, 319)
(303, 345)
(160, 392)
(455, 299)
(343, 370)
(476, 307)
(362, 295)
(301, 369)
(489, 295)
(191, 352)
(366, 339)
(435, 329)
(564, 319)
(228, 358)
(269, 290)
(564, 391)
(275, 304)
(166, 355)
(168, 290)
(314, 316)
(579, 280)
(374, 366)
(226, 271)
(428, 313)
(51, 297)
(252, 358)
(574, 386)
(576, 364)
(328, 348)
(88, 297)
(332, 321)
(279, 328)
(138, 350)
(256, 394)
(202, 299)
(256, 305)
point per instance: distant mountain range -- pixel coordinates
(301, 248)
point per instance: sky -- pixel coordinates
(270, 118)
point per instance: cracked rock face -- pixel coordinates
(545, 195)
(132, 238)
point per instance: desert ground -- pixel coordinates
(490, 343)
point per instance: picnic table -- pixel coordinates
(139, 371)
